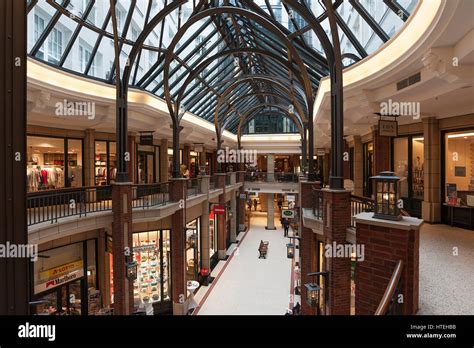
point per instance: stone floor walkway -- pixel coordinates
(249, 285)
(446, 279)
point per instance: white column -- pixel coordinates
(270, 212)
(233, 219)
(271, 168)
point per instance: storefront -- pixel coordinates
(408, 164)
(213, 238)
(170, 161)
(458, 178)
(105, 162)
(193, 249)
(148, 164)
(152, 252)
(66, 281)
(54, 163)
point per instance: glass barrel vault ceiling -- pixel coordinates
(77, 36)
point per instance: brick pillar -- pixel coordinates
(381, 152)
(205, 239)
(386, 242)
(241, 202)
(178, 243)
(337, 218)
(308, 250)
(89, 158)
(122, 238)
(431, 206)
(164, 160)
(358, 166)
(186, 156)
(233, 219)
(221, 219)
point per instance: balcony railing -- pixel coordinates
(360, 205)
(52, 205)
(150, 195)
(389, 305)
(228, 179)
(272, 177)
(194, 187)
(318, 204)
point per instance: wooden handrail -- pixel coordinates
(390, 291)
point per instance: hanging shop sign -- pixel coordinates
(288, 214)
(58, 276)
(146, 138)
(219, 209)
(388, 128)
(320, 152)
(243, 196)
(290, 198)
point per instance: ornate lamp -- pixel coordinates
(290, 250)
(312, 294)
(387, 190)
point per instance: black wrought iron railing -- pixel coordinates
(228, 179)
(286, 177)
(213, 182)
(194, 187)
(50, 206)
(360, 205)
(150, 195)
(391, 304)
(318, 204)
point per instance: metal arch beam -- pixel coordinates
(297, 105)
(333, 54)
(298, 121)
(262, 107)
(197, 70)
(352, 56)
(269, 80)
(291, 51)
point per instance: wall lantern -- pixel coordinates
(387, 189)
(313, 291)
(290, 250)
(312, 294)
(131, 270)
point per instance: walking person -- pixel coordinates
(286, 227)
(255, 203)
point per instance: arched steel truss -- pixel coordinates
(253, 36)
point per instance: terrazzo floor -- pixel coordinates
(249, 285)
(446, 280)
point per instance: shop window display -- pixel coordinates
(53, 163)
(193, 247)
(459, 168)
(152, 252)
(105, 163)
(60, 277)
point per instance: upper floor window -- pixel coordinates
(85, 55)
(55, 45)
(39, 28)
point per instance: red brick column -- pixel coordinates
(337, 218)
(241, 202)
(221, 219)
(178, 244)
(381, 152)
(386, 243)
(307, 245)
(122, 239)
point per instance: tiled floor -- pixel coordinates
(446, 280)
(250, 285)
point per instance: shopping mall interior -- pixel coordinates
(238, 157)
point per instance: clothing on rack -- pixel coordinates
(44, 178)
